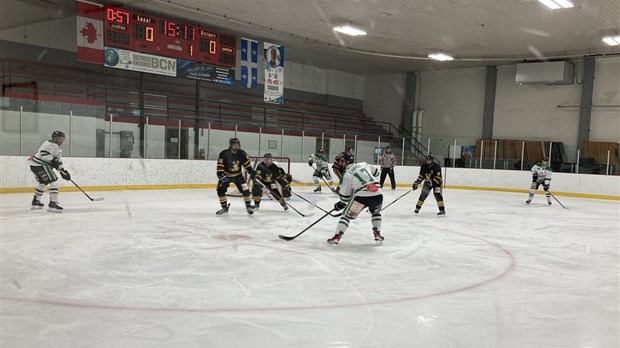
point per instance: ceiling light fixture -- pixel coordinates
(440, 56)
(612, 40)
(349, 30)
(556, 4)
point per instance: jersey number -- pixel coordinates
(362, 180)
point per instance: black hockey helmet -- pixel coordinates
(430, 158)
(321, 151)
(233, 141)
(58, 134)
(268, 155)
(348, 158)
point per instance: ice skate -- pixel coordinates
(284, 206)
(223, 211)
(417, 210)
(53, 207)
(378, 237)
(256, 206)
(36, 204)
(442, 213)
(249, 209)
(336, 238)
(528, 201)
(317, 190)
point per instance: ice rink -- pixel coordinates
(159, 269)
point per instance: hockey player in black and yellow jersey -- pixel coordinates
(430, 173)
(268, 176)
(229, 165)
(337, 166)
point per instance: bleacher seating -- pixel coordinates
(174, 99)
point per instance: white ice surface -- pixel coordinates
(159, 269)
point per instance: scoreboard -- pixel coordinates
(164, 37)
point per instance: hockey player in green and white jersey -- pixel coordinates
(321, 170)
(359, 189)
(541, 175)
(48, 157)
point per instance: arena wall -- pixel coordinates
(102, 174)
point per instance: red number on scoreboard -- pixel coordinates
(117, 16)
(171, 28)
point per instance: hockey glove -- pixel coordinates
(55, 163)
(65, 174)
(223, 179)
(339, 205)
(535, 178)
(415, 185)
(310, 163)
(546, 185)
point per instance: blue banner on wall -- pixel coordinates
(249, 62)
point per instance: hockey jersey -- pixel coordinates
(270, 174)
(431, 174)
(359, 180)
(48, 152)
(320, 161)
(229, 163)
(388, 160)
(544, 174)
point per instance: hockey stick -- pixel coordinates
(97, 199)
(269, 194)
(322, 178)
(330, 186)
(297, 211)
(321, 209)
(560, 203)
(396, 200)
(305, 229)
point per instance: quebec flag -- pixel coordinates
(249, 62)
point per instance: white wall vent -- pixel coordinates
(549, 73)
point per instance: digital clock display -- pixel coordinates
(150, 34)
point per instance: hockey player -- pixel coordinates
(47, 157)
(337, 166)
(358, 189)
(387, 162)
(229, 165)
(541, 175)
(320, 170)
(268, 175)
(430, 173)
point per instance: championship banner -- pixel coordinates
(205, 72)
(135, 61)
(89, 32)
(274, 73)
(249, 62)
